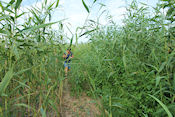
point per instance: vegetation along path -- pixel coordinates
(72, 106)
(128, 66)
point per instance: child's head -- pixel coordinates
(68, 50)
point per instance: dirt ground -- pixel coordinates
(83, 106)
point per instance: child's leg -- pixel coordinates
(65, 69)
(68, 66)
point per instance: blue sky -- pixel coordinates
(76, 14)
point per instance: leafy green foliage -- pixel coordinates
(119, 65)
(5, 81)
(29, 67)
(164, 106)
(122, 65)
(87, 9)
(57, 3)
(18, 2)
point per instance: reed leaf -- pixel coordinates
(163, 105)
(86, 7)
(6, 80)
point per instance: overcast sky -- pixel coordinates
(76, 14)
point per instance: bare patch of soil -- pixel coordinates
(83, 106)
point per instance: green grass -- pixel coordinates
(30, 62)
(122, 65)
(130, 68)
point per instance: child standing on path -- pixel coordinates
(67, 56)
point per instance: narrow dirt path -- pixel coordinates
(83, 106)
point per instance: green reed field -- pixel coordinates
(129, 68)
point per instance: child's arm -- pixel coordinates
(72, 56)
(64, 56)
